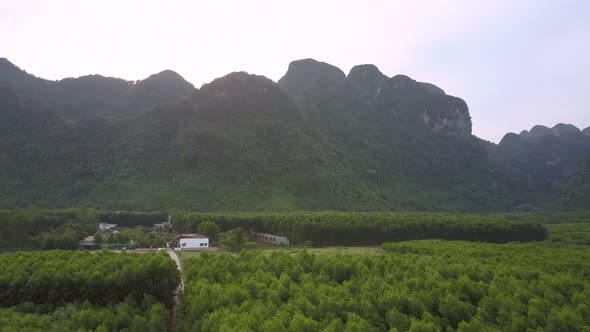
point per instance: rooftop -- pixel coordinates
(190, 236)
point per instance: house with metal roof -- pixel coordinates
(191, 241)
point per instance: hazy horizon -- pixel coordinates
(516, 65)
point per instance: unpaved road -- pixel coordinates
(179, 291)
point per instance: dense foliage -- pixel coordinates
(416, 286)
(122, 317)
(570, 233)
(545, 218)
(575, 190)
(336, 228)
(62, 229)
(49, 229)
(54, 278)
(139, 236)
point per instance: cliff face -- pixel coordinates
(366, 89)
(395, 130)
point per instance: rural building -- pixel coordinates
(164, 225)
(271, 238)
(192, 241)
(107, 227)
(88, 242)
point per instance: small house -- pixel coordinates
(164, 225)
(106, 227)
(87, 243)
(272, 239)
(192, 241)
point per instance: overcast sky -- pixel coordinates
(516, 63)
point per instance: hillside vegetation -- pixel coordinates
(316, 140)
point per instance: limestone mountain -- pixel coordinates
(543, 156)
(237, 143)
(408, 140)
(317, 139)
(95, 94)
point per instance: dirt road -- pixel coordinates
(179, 291)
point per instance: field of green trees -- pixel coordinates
(415, 285)
(371, 228)
(368, 271)
(62, 229)
(102, 291)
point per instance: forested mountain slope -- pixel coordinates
(319, 139)
(543, 157)
(408, 140)
(575, 190)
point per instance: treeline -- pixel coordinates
(55, 278)
(415, 286)
(562, 217)
(369, 228)
(149, 317)
(62, 229)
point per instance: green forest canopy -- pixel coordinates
(416, 285)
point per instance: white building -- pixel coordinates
(164, 225)
(192, 241)
(106, 227)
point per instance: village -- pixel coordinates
(113, 237)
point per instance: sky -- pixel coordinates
(516, 63)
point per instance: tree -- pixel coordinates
(233, 239)
(87, 216)
(210, 230)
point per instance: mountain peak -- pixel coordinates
(166, 75)
(366, 72)
(562, 128)
(401, 81)
(164, 87)
(310, 74)
(6, 64)
(539, 130)
(557, 130)
(240, 84)
(366, 81)
(10, 73)
(512, 139)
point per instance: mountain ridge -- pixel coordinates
(315, 139)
